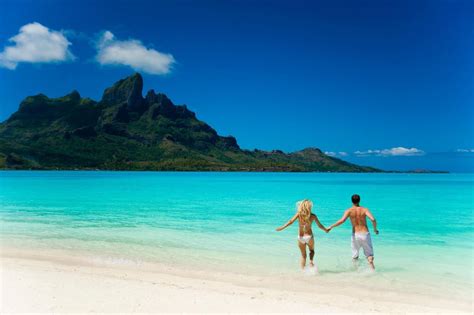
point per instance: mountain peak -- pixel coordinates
(160, 98)
(74, 95)
(310, 150)
(127, 90)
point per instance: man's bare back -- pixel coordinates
(358, 215)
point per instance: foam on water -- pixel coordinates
(115, 261)
(311, 270)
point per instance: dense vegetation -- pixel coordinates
(125, 131)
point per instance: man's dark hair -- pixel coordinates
(355, 199)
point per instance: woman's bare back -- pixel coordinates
(305, 227)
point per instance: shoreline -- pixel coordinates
(228, 171)
(41, 281)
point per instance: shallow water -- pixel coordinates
(227, 221)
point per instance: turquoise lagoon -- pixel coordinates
(227, 221)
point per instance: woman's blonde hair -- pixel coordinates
(304, 210)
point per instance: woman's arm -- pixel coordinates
(322, 227)
(287, 224)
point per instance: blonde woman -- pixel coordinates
(305, 235)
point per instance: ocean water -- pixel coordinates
(227, 221)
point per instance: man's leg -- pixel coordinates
(302, 248)
(369, 251)
(355, 251)
(355, 263)
(370, 259)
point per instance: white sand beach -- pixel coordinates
(54, 282)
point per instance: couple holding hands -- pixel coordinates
(360, 232)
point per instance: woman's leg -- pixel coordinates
(311, 251)
(302, 248)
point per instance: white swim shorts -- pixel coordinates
(361, 240)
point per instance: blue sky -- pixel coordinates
(386, 83)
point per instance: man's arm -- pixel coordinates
(287, 224)
(372, 218)
(322, 227)
(341, 220)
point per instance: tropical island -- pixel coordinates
(126, 131)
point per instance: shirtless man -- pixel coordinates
(360, 232)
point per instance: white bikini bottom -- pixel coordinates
(305, 238)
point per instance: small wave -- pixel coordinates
(311, 271)
(115, 261)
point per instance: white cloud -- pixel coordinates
(334, 154)
(132, 53)
(465, 150)
(398, 151)
(35, 43)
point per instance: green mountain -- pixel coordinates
(126, 131)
